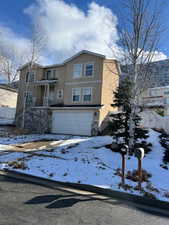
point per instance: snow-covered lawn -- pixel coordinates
(86, 161)
(6, 121)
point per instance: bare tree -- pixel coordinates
(36, 47)
(8, 68)
(10, 59)
(139, 38)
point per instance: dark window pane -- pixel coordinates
(89, 70)
(87, 98)
(76, 98)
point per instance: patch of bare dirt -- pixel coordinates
(11, 131)
(35, 146)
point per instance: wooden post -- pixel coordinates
(123, 151)
(139, 153)
(140, 173)
(47, 97)
(123, 169)
(44, 94)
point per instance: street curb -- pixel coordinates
(84, 187)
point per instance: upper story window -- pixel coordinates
(89, 70)
(30, 76)
(54, 74)
(28, 98)
(48, 74)
(59, 94)
(76, 94)
(77, 70)
(87, 94)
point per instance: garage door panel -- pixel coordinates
(72, 122)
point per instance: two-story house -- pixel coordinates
(74, 97)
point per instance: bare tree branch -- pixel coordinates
(139, 41)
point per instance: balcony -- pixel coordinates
(153, 101)
(45, 102)
(46, 82)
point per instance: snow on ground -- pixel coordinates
(87, 161)
(31, 137)
(6, 122)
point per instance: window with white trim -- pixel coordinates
(77, 70)
(54, 74)
(30, 76)
(28, 98)
(76, 94)
(87, 94)
(89, 69)
(48, 74)
(59, 94)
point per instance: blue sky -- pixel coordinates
(83, 30)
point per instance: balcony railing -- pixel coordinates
(153, 101)
(44, 82)
(45, 102)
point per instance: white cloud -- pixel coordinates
(11, 44)
(16, 47)
(68, 29)
(158, 56)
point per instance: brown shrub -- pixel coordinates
(125, 186)
(134, 175)
(150, 187)
(149, 195)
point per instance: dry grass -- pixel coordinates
(17, 165)
(134, 175)
(11, 131)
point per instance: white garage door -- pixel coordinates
(72, 122)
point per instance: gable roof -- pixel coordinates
(84, 52)
(7, 88)
(26, 64)
(74, 56)
(67, 60)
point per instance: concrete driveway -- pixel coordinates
(23, 203)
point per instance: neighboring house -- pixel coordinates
(14, 85)
(158, 73)
(156, 87)
(8, 99)
(74, 97)
(156, 98)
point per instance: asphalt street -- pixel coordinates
(23, 203)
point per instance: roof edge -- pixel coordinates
(67, 60)
(26, 64)
(74, 56)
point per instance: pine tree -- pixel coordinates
(120, 121)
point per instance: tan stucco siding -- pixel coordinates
(96, 89)
(110, 83)
(94, 81)
(84, 59)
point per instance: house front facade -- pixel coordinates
(73, 98)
